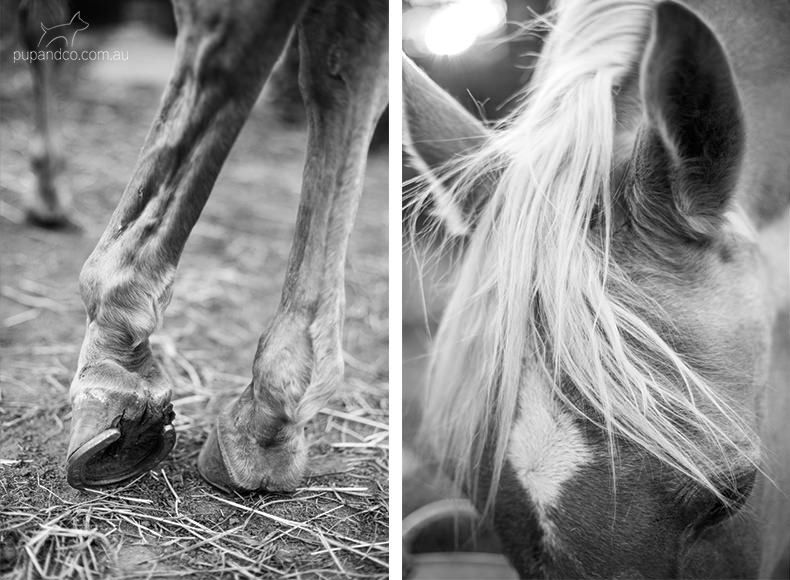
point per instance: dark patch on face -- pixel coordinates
(657, 523)
(728, 550)
(516, 522)
(605, 533)
(514, 518)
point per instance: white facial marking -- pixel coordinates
(546, 449)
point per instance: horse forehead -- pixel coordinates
(546, 450)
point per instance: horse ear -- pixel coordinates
(689, 147)
(437, 130)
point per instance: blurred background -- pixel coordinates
(477, 50)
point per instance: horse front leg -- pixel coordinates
(258, 441)
(121, 415)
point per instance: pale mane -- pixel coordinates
(536, 290)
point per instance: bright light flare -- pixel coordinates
(454, 28)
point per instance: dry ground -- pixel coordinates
(169, 523)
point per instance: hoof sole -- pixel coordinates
(114, 456)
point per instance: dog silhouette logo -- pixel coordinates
(67, 31)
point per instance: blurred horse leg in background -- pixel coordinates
(47, 205)
(121, 423)
(258, 441)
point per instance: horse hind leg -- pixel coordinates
(121, 412)
(258, 441)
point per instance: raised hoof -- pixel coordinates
(117, 434)
(231, 460)
(112, 456)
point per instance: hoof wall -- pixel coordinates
(234, 462)
(211, 465)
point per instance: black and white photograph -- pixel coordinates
(406, 289)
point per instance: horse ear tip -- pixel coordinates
(670, 9)
(675, 18)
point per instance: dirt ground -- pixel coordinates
(169, 523)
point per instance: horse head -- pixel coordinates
(595, 379)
